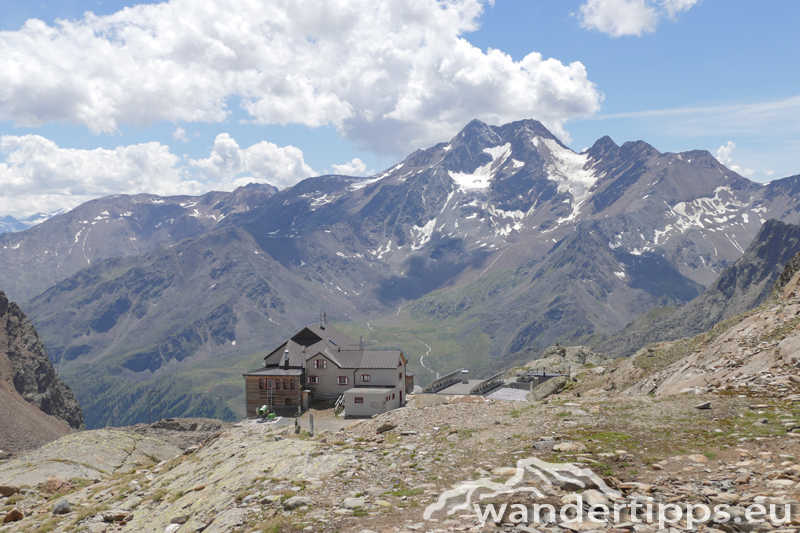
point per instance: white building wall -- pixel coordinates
(375, 402)
(328, 378)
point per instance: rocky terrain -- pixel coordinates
(717, 426)
(381, 475)
(35, 405)
(479, 252)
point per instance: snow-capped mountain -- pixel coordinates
(480, 250)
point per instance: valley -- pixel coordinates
(488, 249)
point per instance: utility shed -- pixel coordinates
(361, 402)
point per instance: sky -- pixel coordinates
(102, 97)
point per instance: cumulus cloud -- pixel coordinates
(629, 17)
(356, 167)
(263, 162)
(179, 134)
(391, 75)
(725, 156)
(38, 175)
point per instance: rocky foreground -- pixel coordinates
(381, 474)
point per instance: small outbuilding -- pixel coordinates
(362, 402)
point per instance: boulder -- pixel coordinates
(14, 515)
(354, 503)
(115, 515)
(55, 486)
(62, 507)
(8, 490)
(296, 501)
(548, 388)
(387, 426)
(569, 447)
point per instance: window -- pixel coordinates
(277, 384)
(359, 399)
(288, 401)
(399, 376)
(343, 380)
(313, 380)
(365, 377)
(291, 384)
(399, 364)
(261, 383)
(285, 384)
(320, 363)
(392, 396)
(269, 384)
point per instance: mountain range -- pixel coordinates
(478, 252)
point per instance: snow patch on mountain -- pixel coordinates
(481, 178)
(422, 234)
(566, 168)
(704, 212)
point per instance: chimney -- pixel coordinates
(465, 377)
(286, 358)
(361, 342)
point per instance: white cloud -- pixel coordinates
(618, 18)
(392, 75)
(263, 162)
(179, 134)
(725, 156)
(356, 167)
(37, 175)
(674, 7)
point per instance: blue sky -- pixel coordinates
(183, 96)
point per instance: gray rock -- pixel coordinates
(296, 501)
(62, 507)
(569, 447)
(180, 519)
(544, 445)
(548, 388)
(388, 426)
(706, 405)
(353, 503)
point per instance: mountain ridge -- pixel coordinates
(488, 208)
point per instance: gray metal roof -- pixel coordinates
(368, 390)
(314, 340)
(275, 372)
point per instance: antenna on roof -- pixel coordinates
(325, 317)
(361, 342)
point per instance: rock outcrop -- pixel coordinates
(755, 352)
(30, 387)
